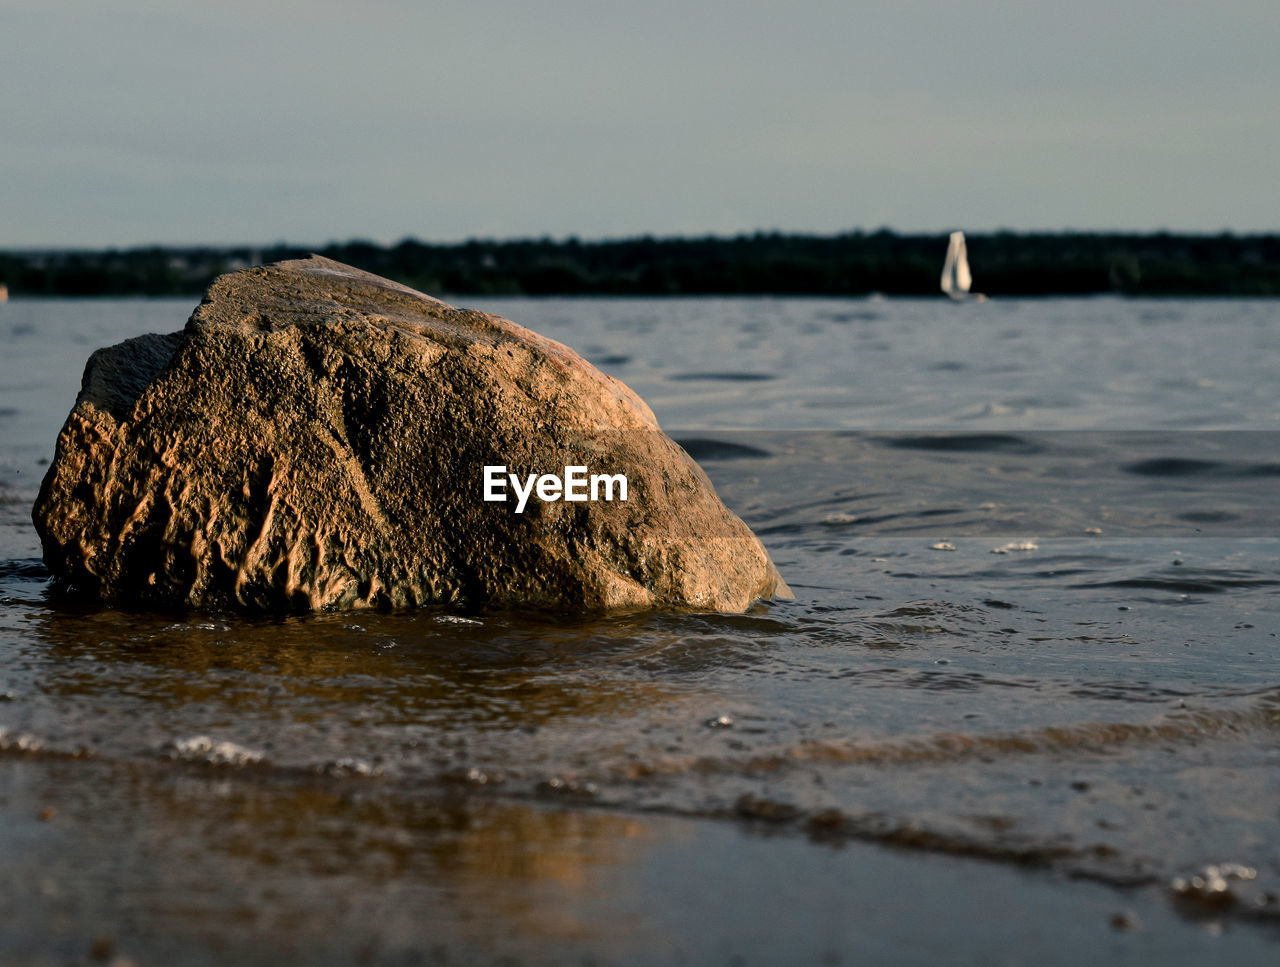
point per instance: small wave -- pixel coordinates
(1127, 692)
(1190, 467)
(701, 448)
(182, 626)
(1188, 726)
(471, 776)
(1015, 546)
(1173, 467)
(1220, 887)
(1183, 726)
(793, 528)
(27, 744)
(19, 742)
(1083, 862)
(861, 315)
(720, 377)
(841, 518)
(1184, 583)
(567, 787)
(1208, 516)
(454, 619)
(201, 748)
(1260, 470)
(24, 568)
(342, 768)
(965, 443)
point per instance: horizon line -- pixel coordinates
(575, 238)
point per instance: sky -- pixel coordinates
(176, 122)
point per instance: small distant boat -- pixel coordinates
(4, 293)
(956, 278)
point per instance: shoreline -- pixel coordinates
(1005, 264)
(192, 865)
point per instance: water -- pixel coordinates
(1036, 551)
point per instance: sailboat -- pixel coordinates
(956, 278)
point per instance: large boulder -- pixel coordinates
(317, 437)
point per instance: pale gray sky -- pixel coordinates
(146, 121)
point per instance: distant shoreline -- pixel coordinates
(764, 263)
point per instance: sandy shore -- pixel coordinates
(170, 864)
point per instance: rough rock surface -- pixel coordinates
(315, 438)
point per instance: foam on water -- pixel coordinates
(201, 748)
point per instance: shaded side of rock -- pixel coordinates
(316, 438)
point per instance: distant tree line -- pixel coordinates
(853, 263)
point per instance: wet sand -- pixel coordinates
(201, 865)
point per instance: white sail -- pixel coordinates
(956, 278)
(949, 266)
(963, 278)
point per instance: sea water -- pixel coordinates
(1035, 546)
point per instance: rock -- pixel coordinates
(316, 437)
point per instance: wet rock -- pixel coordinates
(316, 437)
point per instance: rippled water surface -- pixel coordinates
(1036, 552)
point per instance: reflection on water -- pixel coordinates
(225, 860)
(1125, 744)
(1098, 697)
